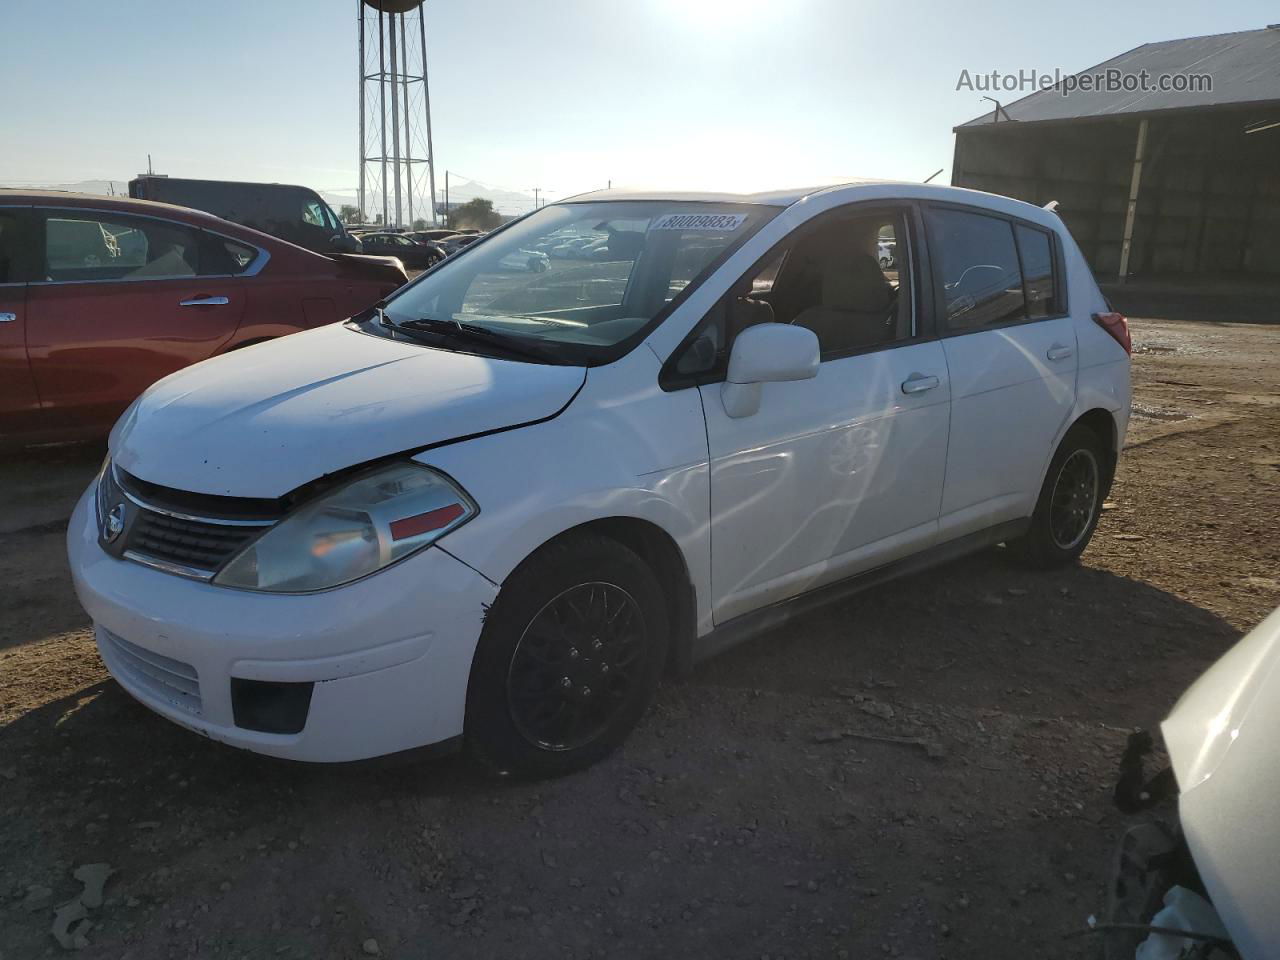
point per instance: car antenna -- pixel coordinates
(934, 174)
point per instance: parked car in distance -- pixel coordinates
(572, 249)
(455, 243)
(414, 255)
(434, 235)
(497, 508)
(290, 212)
(100, 297)
(530, 260)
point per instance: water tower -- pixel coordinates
(397, 165)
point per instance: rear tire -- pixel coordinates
(1070, 502)
(568, 660)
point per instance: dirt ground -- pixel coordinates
(736, 822)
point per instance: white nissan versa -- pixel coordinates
(492, 508)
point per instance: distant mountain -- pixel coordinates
(511, 202)
(103, 187)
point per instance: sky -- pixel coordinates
(564, 95)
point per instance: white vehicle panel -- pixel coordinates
(263, 421)
(1009, 402)
(429, 611)
(623, 448)
(830, 476)
(1221, 742)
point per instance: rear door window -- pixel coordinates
(85, 245)
(976, 261)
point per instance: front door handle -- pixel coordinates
(8, 317)
(1059, 351)
(205, 302)
(919, 383)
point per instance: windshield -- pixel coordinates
(580, 281)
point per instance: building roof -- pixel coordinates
(1245, 68)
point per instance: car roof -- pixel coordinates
(852, 190)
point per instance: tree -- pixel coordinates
(350, 214)
(477, 213)
(419, 224)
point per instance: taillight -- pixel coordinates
(1116, 325)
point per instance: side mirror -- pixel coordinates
(345, 243)
(767, 353)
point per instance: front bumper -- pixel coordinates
(387, 658)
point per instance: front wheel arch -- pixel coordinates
(666, 561)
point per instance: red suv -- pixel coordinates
(100, 297)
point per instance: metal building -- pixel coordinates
(1178, 185)
(397, 160)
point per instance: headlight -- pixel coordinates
(357, 529)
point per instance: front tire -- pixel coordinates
(1070, 502)
(568, 661)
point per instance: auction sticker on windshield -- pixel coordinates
(718, 222)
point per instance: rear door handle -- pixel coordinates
(919, 383)
(205, 302)
(1059, 352)
(8, 317)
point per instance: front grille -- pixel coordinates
(164, 678)
(189, 534)
(199, 545)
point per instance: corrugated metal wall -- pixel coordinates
(1209, 202)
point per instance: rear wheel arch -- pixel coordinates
(1103, 424)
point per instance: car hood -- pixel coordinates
(261, 422)
(1221, 742)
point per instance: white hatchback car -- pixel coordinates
(493, 508)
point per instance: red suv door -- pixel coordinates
(121, 301)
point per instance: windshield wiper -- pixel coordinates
(461, 332)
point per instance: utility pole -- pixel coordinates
(360, 21)
(382, 106)
(535, 197)
(446, 198)
(408, 146)
(395, 115)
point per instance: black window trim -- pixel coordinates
(26, 224)
(923, 295)
(1056, 253)
(38, 237)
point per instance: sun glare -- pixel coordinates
(722, 14)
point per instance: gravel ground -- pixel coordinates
(749, 816)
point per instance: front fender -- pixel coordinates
(623, 448)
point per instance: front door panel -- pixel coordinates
(831, 476)
(118, 303)
(94, 347)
